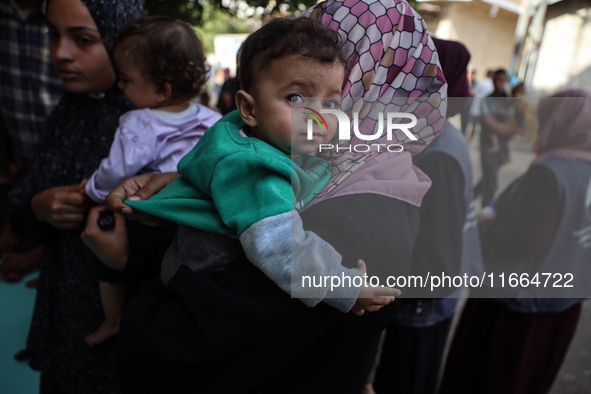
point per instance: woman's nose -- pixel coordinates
(64, 50)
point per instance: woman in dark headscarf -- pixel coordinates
(78, 135)
(539, 242)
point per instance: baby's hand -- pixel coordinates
(372, 299)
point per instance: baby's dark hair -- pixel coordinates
(166, 51)
(286, 36)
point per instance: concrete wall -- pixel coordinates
(489, 40)
(564, 58)
(565, 53)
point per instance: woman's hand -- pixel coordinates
(372, 299)
(139, 187)
(111, 247)
(62, 207)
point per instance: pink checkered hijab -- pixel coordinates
(393, 67)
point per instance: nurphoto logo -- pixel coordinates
(393, 122)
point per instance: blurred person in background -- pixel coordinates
(495, 126)
(29, 89)
(447, 242)
(517, 345)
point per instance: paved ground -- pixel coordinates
(575, 376)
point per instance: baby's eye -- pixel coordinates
(330, 104)
(295, 98)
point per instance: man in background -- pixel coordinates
(29, 89)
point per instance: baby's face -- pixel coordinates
(292, 88)
(137, 88)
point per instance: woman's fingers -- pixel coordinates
(91, 221)
(68, 223)
(139, 187)
(155, 184)
(111, 247)
(73, 199)
(80, 188)
(125, 190)
(119, 220)
(115, 200)
(62, 207)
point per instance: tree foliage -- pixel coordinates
(188, 11)
(216, 21)
(195, 12)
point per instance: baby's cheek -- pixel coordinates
(333, 128)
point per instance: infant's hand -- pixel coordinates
(372, 299)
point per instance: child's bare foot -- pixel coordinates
(108, 329)
(368, 389)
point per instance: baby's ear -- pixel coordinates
(163, 92)
(245, 105)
